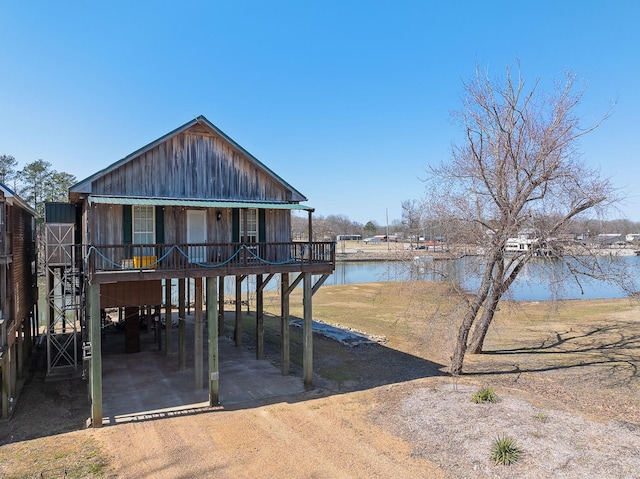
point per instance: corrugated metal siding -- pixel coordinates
(59, 213)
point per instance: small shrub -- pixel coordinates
(96, 469)
(505, 451)
(541, 416)
(484, 395)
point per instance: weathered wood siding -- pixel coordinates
(192, 164)
(175, 225)
(278, 226)
(107, 225)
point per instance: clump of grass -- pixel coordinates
(541, 416)
(483, 395)
(505, 451)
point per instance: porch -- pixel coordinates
(112, 263)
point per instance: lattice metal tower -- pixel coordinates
(65, 296)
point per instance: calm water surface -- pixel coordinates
(533, 284)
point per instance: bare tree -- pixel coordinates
(412, 220)
(518, 171)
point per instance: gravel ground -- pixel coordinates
(442, 424)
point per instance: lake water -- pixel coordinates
(533, 284)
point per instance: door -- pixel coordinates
(197, 233)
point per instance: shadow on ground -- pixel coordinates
(149, 385)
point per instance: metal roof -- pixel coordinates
(194, 203)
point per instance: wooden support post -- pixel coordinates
(20, 352)
(182, 327)
(13, 380)
(259, 317)
(212, 328)
(132, 329)
(95, 369)
(168, 313)
(156, 323)
(307, 332)
(221, 306)
(284, 324)
(199, 335)
(50, 312)
(237, 333)
(188, 295)
(148, 313)
(6, 383)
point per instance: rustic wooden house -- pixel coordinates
(18, 292)
(192, 204)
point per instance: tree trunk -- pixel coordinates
(472, 312)
(482, 326)
(500, 285)
(461, 342)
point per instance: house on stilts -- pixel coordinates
(191, 206)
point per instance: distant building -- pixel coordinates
(520, 244)
(385, 238)
(608, 238)
(348, 237)
(633, 237)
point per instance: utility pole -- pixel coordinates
(388, 245)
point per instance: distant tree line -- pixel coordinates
(36, 183)
(327, 228)
(420, 223)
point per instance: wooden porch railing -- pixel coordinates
(203, 256)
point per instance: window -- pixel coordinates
(143, 225)
(252, 225)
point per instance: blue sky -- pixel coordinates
(348, 101)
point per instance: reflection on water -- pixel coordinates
(541, 279)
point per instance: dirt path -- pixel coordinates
(330, 437)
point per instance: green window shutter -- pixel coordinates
(159, 224)
(262, 226)
(127, 224)
(235, 225)
(127, 229)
